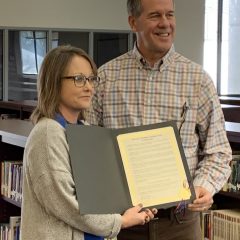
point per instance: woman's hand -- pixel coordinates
(135, 216)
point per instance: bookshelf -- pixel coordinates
(231, 112)
(230, 199)
(22, 109)
(13, 136)
(14, 133)
(231, 108)
(230, 100)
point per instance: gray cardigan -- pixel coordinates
(50, 209)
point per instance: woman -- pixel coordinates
(50, 209)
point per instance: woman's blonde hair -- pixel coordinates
(49, 80)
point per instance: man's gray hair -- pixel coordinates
(134, 7)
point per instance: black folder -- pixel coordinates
(98, 171)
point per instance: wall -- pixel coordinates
(84, 14)
(190, 29)
(103, 15)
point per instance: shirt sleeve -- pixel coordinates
(214, 150)
(55, 190)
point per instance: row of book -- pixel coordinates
(233, 184)
(11, 230)
(11, 180)
(221, 224)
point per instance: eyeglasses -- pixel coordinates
(81, 80)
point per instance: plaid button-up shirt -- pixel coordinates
(131, 93)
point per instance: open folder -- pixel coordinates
(115, 169)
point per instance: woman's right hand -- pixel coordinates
(135, 216)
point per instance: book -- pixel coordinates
(225, 224)
(4, 231)
(233, 184)
(206, 224)
(14, 224)
(11, 179)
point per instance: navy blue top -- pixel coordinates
(60, 119)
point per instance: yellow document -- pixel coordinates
(153, 166)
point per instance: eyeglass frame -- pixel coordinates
(84, 80)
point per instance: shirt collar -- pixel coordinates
(160, 64)
(63, 122)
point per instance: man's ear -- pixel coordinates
(132, 23)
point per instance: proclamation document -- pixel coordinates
(153, 167)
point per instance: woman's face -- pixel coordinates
(73, 98)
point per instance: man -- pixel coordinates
(151, 84)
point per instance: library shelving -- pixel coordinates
(223, 221)
(13, 134)
(20, 109)
(231, 111)
(230, 199)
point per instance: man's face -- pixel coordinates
(155, 28)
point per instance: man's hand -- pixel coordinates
(203, 201)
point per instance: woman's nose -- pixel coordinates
(89, 86)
